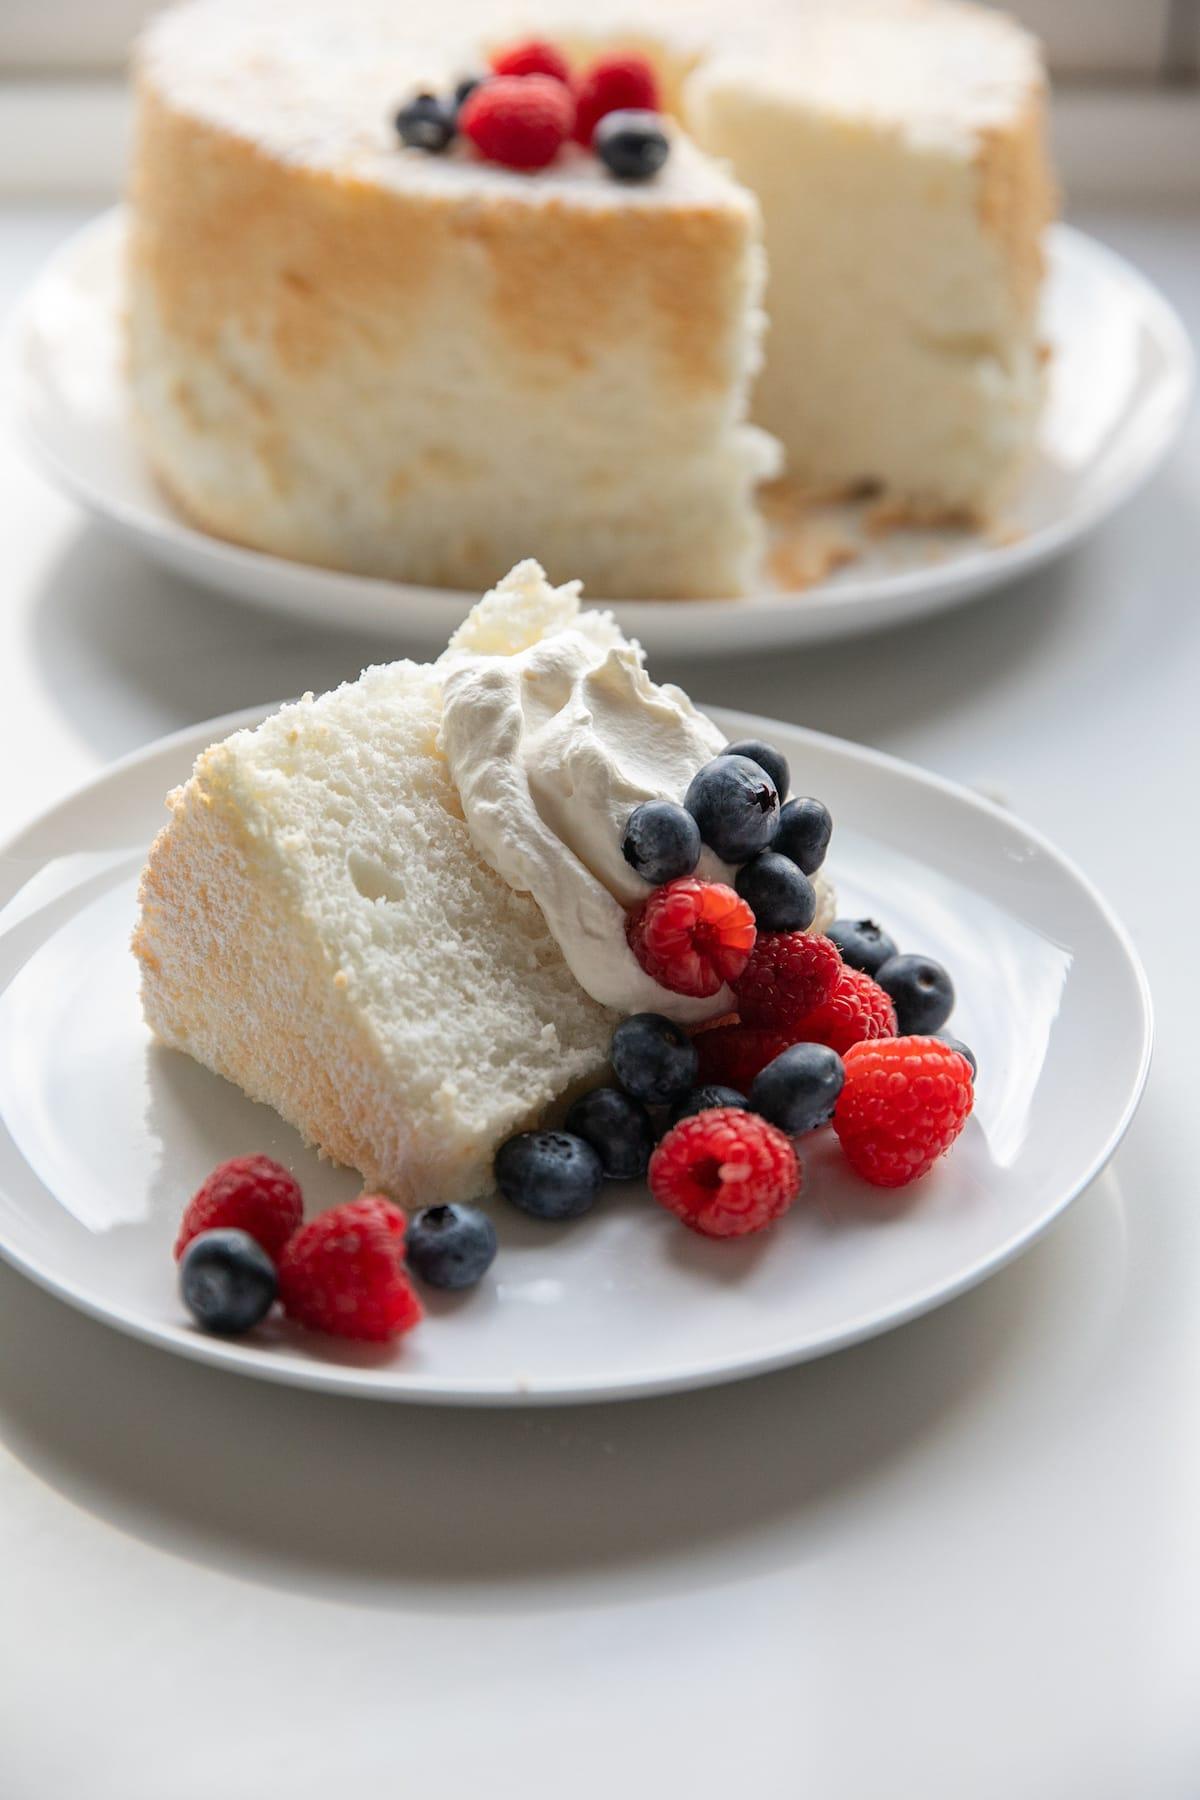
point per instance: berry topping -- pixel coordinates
(767, 757)
(732, 1055)
(618, 1128)
(920, 990)
(465, 88)
(904, 1103)
(343, 1272)
(798, 1090)
(692, 936)
(533, 56)
(857, 1009)
(426, 123)
(632, 145)
(964, 1050)
(653, 1058)
(549, 1174)
(662, 842)
(736, 806)
(227, 1280)
(788, 975)
(704, 1099)
(247, 1193)
(805, 829)
(725, 1173)
(451, 1246)
(519, 120)
(863, 944)
(614, 83)
(780, 895)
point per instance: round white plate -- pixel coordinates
(103, 1135)
(1120, 377)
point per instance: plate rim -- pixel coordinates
(214, 562)
(513, 1391)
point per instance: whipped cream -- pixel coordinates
(554, 732)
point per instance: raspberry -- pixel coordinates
(904, 1102)
(248, 1193)
(788, 976)
(613, 84)
(725, 1172)
(732, 1055)
(519, 120)
(533, 56)
(858, 1009)
(692, 936)
(343, 1272)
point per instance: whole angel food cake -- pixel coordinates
(390, 315)
(400, 913)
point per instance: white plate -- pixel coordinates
(1120, 379)
(104, 1135)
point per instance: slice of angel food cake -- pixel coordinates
(409, 914)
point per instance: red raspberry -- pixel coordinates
(788, 976)
(904, 1103)
(247, 1193)
(692, 936)
(725, 1172)
(344, 1272)
(732, 1055)
(612, 84)
(533, 56)
(858, 1009)
(519, 120)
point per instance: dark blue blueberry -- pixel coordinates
(736, 805)
(465, 88)
(799, 1089)
(662, 841)
(653, 1058)
(963, 1050)
(805, 829)
(631, 144)
(863, 944)
(703, 1099)
(921, 992)
(426, 123)
(780, 895)
(768, 758)
(227, 1280)
(618, 1128)
(549, 1174)
(450, 1246)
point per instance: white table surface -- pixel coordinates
(961, 1561)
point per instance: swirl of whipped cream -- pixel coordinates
(553, 733)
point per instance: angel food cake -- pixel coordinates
(405, 359)
(397, 913)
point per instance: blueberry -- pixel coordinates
(768, 758)
(465, 88)
(619, 1130)
(798, 1090)
(703, 1099)
(549, 1174)
(227, 1280)
(632, 145)
(921, 992)
(662, 841)
(805, 829)
(863, 944)
(736, 805)
(653, 1058)
(963, 1050)
(426, 123)
(450, 1246)
(780, 895)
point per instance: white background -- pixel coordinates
(960, 1562)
